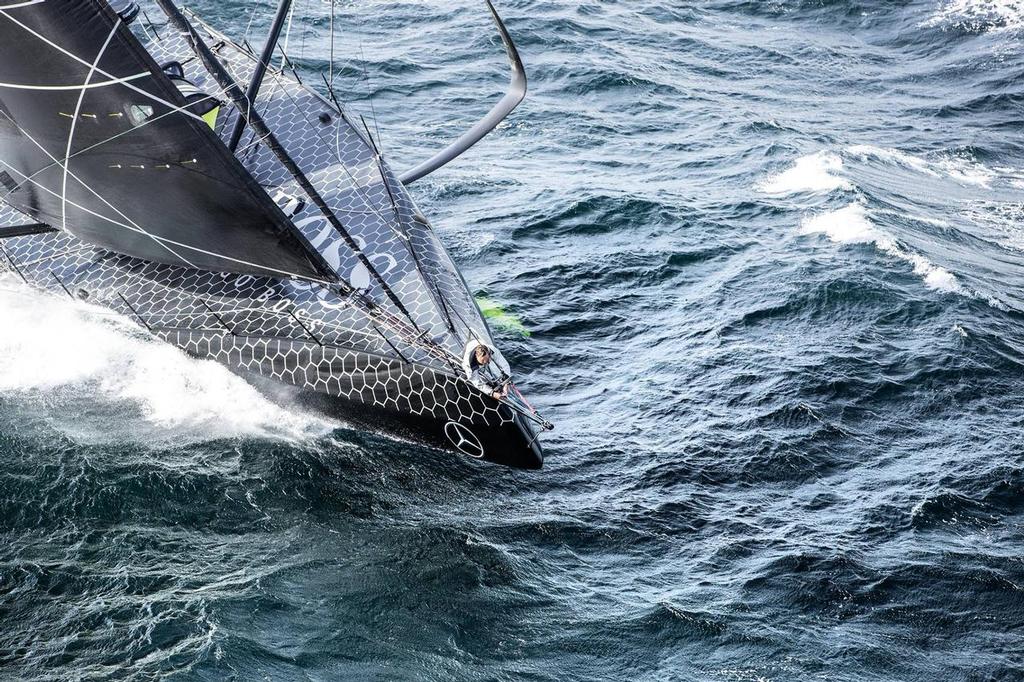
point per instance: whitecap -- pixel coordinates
(979, 15)
(967, 171)
(816, 173)
(957, 167)
(895, 156)
(852, 225)
(849, 224)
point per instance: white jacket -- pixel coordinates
(481, 376)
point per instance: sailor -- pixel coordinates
(477, 364)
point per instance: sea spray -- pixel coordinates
(50, 345)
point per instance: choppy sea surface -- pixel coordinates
(771, 258)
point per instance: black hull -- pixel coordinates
(513, 445)
(377, 394)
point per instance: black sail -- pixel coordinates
(95, 139)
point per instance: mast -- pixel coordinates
(261, 69)
(230, 87)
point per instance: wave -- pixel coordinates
(51, 346)
(813, 173)
(978, 16)
(852, 225)
(957, 167)
(1001, 221)
(821, 172)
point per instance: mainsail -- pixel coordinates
(95, 139)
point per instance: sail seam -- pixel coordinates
(159, 240)
(91, 190)
(108, 75)
(99, 84)
(74, 124)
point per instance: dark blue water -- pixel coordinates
(771, 256)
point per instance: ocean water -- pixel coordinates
(771, 258)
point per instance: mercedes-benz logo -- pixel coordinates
(464, 439)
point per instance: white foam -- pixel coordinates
(846, 225)
(1002, 221)
(979, 15)
(935, 277)
(816, 173)
(52, 345)
(886, 154)
(852, 225)
(958, 168)
(967, 171)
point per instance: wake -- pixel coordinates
(100, 376)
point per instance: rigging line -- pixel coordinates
(407, 240)
(126, 132)
(466, 325)
(306, 329)
(444, 307)
(146, 30)
(287, 61)
(255, 142)
(355, 184)
(135, 312)
(334, 97)
(74, 124)
(221, 74)
(21, 4)
(61, 283)
(248, 51)
(341, 114)
(13, 265)
(379, 159)
(373, 111)
(256, 138)
(78, 59)
(251, 104)
(98, 84)
(248, 27)
(86, 186)
(161, 240)
(416, 341)
(302, 47)
(361, 303)
(152, 27)
(287, 36)
(360, 192)
(331, 64)
(393, 347)
(256, 78)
